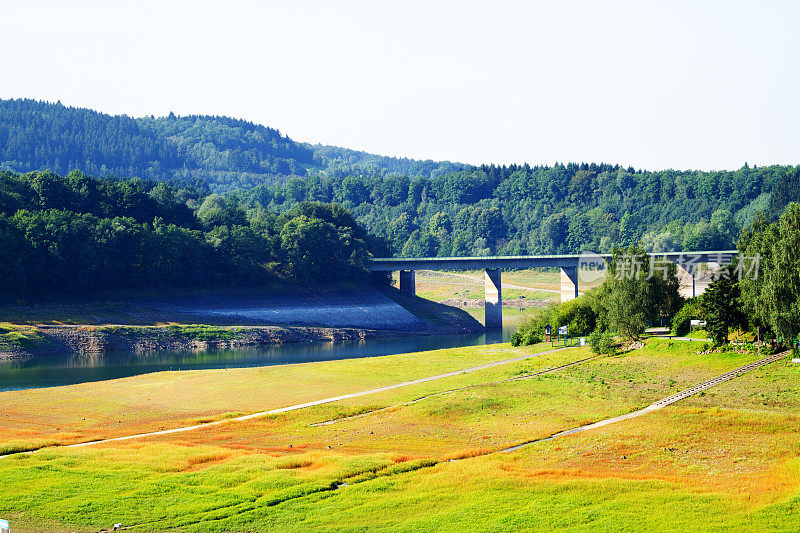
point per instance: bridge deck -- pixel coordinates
(383, 264)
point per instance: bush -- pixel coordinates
(765, 349)
(516, 338)
(530, 337)
(525, 338)
(682, 321)
(577, 315)
(601, 342)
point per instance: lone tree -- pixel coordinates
(638, 289)
(721, 306)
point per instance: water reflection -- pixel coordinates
(54, 371)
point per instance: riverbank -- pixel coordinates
(219, 320)
(55, 340)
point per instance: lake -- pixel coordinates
(54, 371)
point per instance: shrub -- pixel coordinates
(682, 321)
(516, 338)
(601, 342)
(578, 315)
(530, 337)
(765, 349)
(525, 338)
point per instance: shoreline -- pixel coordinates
(223, 320)
(70, 340)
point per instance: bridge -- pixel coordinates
(569, 266)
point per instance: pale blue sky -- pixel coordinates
(700, 84)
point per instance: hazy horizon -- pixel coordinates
(705, 86)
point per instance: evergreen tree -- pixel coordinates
(721, 306)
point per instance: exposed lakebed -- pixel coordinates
(64, 370)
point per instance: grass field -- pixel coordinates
(420, 458)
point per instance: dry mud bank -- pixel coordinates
(224, 321)
(92, 340)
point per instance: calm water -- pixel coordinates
(53, 371)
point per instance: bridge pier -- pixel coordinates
(569, 283)
(686, 285)
(568, 265)
(408, 284)
(493, 298)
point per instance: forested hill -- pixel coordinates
(423, 208)
(220, 152)
(340, 162)
(538, 210)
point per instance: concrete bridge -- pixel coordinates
(687, 263)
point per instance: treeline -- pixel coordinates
(77, 233)
(521, 210)
(342, 162)
(768, 301)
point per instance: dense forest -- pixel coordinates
(219, 152)
(521, 210)
(78, 233)
(422, 208)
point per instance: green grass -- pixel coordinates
(419, 458)
(203, 332)
(698, 334)
(200, 332)
(163, 487)
(13, 336)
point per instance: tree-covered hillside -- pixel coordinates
(77, 233)
(561, 209)
(423, 208)
(220, 152)
(341, 162)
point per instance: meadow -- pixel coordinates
(424, 457)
